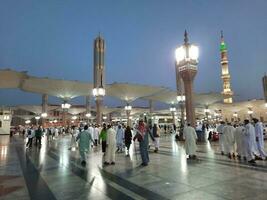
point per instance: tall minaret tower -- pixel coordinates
(227, 92)
(99, 76)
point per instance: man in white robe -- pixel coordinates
(249, 142)
(260, 138)
(111, 146)
(221, 137)
(91, 131)
(96, 134)
(120, 138)
(239, 134)
(190, 136)
(228, 132)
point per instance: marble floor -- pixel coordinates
(54, 172)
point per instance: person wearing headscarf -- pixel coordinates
(142, 137)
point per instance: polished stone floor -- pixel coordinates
(54, 172)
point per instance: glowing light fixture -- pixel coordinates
(128, 108)
(88, 115)
(65, 106)
(6, 117)
(44, 115)
(99, 92)
(182, 55)
(74, 117)
(181, 98)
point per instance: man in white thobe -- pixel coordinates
(120, 138)
(260, 138)
(239, 134)
(111, 146)
(228, 132)
(221, 137)
(190, 136)
(96, 134)
(91, 131)
(249, 142)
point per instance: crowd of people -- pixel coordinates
(241, 141)
(244, 140)
(115, 138)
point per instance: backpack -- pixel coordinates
(29, 132)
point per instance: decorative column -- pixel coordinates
(128, 109)
(44, 113)
(99, 77)
(88, 108)
(65, 107)
(186, 62)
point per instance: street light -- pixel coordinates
(88, 115)
(250, 112)
(235, 115)
(186, 63)
(181, 98)
(128, 109)
(44, 115)
(27, 121)
(6, 117)
(172, 109)
(65, 106)
(37, 119)
(74, 117)
(99, 92)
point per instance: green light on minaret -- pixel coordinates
(223, 46)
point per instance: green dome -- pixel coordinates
(223, 46)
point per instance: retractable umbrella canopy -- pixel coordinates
(63, 89)
(10, 79)
(130, 92)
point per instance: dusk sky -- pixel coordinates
(54, 38)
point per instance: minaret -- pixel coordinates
(99, 65)
(99, 75)
(227, 92)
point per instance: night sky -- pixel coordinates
(54, 38)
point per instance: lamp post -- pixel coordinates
(37, 120)
(235, 115)
(173, 110)
(207, 111)
(250, 112)
(186, 63)
(99, 93)
(181, 101)
(128, 109)
(65, 107)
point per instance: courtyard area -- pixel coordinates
(54, 172)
